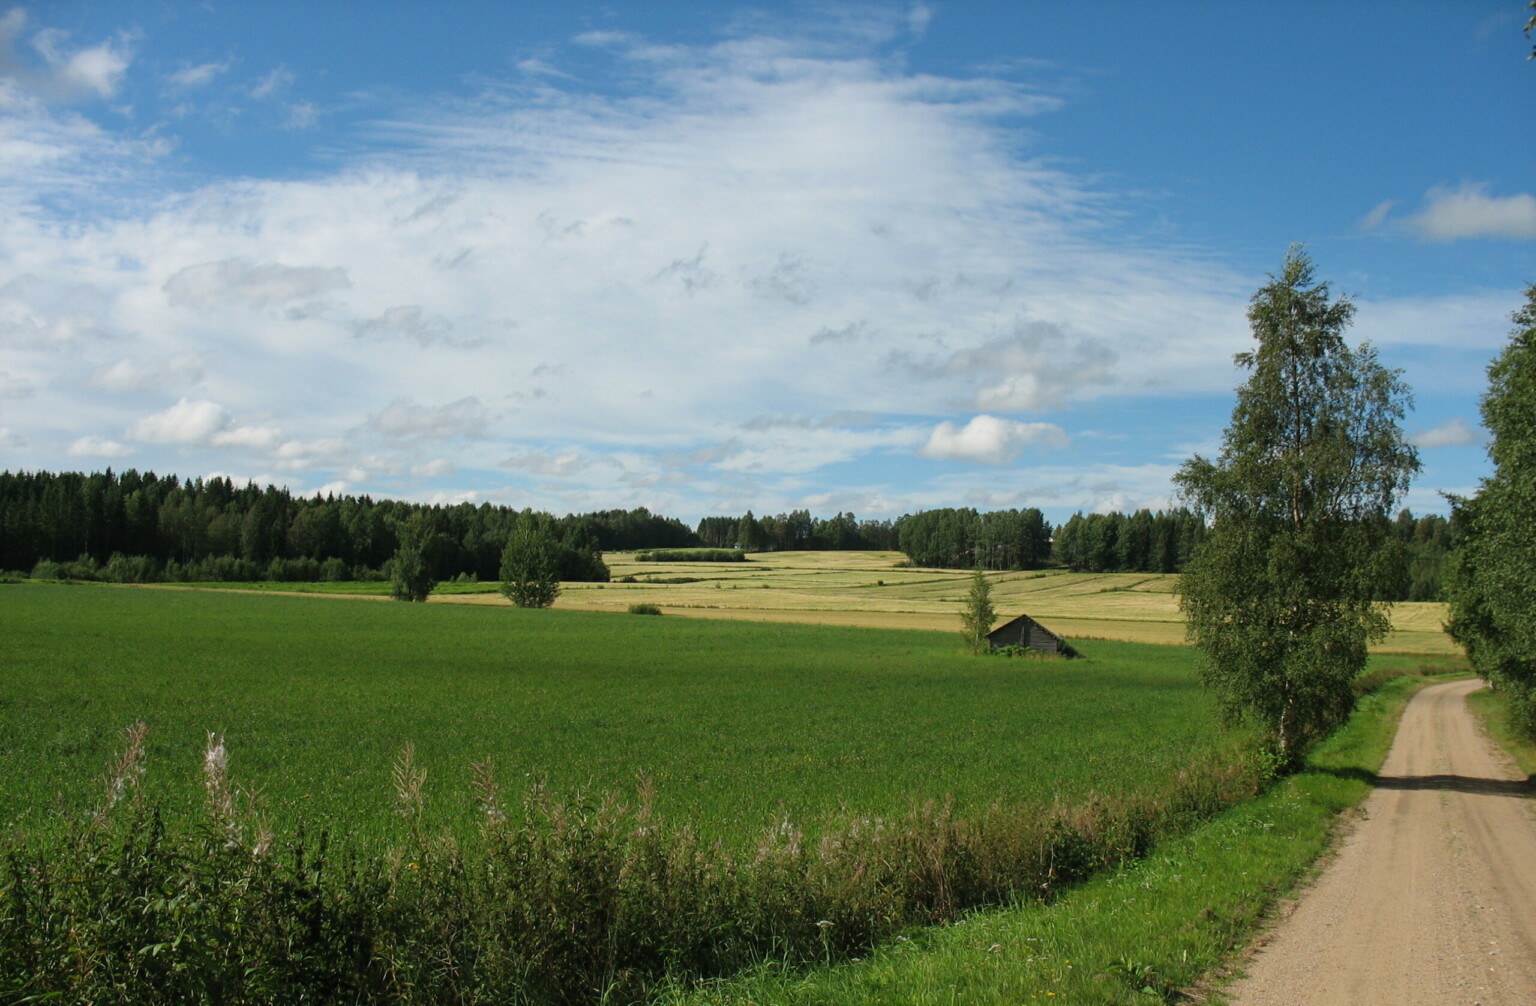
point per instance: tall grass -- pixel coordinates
(569, 900)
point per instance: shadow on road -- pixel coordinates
(1460, 784)
(1450, 783)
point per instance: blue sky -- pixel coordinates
(711, 257)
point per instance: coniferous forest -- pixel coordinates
(141, 528)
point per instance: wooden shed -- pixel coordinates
(1026, 632)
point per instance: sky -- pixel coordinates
(711, 257)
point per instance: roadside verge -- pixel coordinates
(1170, 922)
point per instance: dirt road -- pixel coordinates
(1432, 898)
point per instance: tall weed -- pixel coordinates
(575, 899)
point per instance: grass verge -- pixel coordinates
(1493, 709)
(1143, 933)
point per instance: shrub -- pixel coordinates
(692, 555)
(644, 609)
(47, 569)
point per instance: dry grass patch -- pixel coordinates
(875, 590)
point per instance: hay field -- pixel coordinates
(872, 589)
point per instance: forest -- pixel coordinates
(142, 527)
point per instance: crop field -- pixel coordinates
(873, 590)
(736, 725)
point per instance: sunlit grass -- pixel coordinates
(736, 725)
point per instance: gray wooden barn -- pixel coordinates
(1026, 632)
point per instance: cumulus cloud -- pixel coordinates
(1453, 433)
(256, 285)
(97, 447)
(988, 440)
(10, 438)
(405, 420)
(186, 422)
(203, 424)
(65, 73)
(709, 250)
(1468, 211)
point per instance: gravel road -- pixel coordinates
(1432, 896)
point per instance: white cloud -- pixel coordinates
(97, 447)
(66, 74)
(988, 440)
(919, 16)
(186, 422)
(1452, 433)
(405, 420)
(130, 375)
(435, 469)
(10, 438)
(409, 321)
(1377, 216)
(14, 387)
(203, 424)
(1468, 211)
(198, 76)
(302, 115)
(559, 463)
(275, 81)
(751, 271)
(1036, 366)
(257, 285)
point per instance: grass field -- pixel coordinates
(872, 589)
(921, 783)
(737, 725)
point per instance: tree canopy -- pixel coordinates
(1492, 590)
(1281, 595)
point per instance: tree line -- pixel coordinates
(1492, 589)
(142, 527)
(797, 531)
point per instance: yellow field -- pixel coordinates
(871, 589)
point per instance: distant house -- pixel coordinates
(1026, 632)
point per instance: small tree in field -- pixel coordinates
(530, 563)
(410, 571)
(1279, 596)
(977, 616)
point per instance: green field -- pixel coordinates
(819, 787)
(737, 725)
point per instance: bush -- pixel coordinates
(692, 555)
(47, 569)
(644, 609)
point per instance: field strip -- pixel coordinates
(874, 590)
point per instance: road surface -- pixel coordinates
(1432, 897)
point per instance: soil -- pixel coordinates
(1431, 897)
